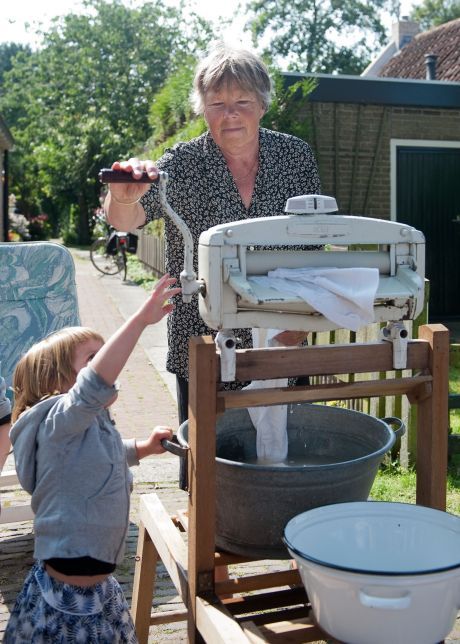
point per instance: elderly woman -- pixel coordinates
(236, 170)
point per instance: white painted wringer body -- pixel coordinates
(231, 255)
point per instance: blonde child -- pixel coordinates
(71, 459)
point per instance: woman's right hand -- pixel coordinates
(130, 192)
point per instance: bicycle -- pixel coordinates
(108, 254)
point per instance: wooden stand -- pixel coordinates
(211, 617)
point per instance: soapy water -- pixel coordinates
(305, 449)
(304, 460)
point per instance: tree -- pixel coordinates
(328, 36)
(171, 115)
(171, 108)
(8, 50)
(82, 100)
(432, 13)
(283, 112)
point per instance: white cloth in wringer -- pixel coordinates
(269, 422)
(343, 295)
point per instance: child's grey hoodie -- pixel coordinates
(70, 457)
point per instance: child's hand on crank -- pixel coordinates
(153, 444)
(158, 304)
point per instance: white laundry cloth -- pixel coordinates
(343, 295)
(269, 422)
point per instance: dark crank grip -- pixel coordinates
(120, 176)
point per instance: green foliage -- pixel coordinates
(139, 275)
(171, 107)
(394, 483)
(432, 13)
(454, 388)
(283, 113)
(171, 116)
(82, 101)
(191, 129)
(306, 33)
(69, 227)
(398, 484)
(8, 51)
(155, 228)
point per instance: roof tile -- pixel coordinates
(443, 41)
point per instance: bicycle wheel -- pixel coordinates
(109, 264)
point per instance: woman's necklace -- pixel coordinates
(249, 173)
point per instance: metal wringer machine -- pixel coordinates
(256, 274)
(239, 300)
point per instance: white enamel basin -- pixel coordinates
(379, 572)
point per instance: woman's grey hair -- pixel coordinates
(225, 65)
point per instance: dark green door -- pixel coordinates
(428, 198)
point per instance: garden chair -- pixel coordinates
(37, 296)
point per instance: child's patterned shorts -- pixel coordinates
(50, 612)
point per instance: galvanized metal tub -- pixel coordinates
(333, 457)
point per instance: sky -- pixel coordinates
(14, 16)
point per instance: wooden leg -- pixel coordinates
(433, 422)
(202, 488)
(144, 584)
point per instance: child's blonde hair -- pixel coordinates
(46, 369)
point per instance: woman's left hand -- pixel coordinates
(291, 338)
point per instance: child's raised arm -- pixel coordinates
(112, 357)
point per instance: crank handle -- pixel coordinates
(120, 176)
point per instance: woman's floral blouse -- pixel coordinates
(202, 191)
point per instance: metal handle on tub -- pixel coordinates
(400, 426)
(174, 447)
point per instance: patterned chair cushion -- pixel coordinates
(38, 295)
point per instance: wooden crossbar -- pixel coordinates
(415, 388)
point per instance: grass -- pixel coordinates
(139, 275)
(455, 421)
(393, 483)
(454, 388)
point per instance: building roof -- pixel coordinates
(442, 41)
(404, 92)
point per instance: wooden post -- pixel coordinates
(143, 584)
(433, 422)
(414, 410)
(202, 473)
